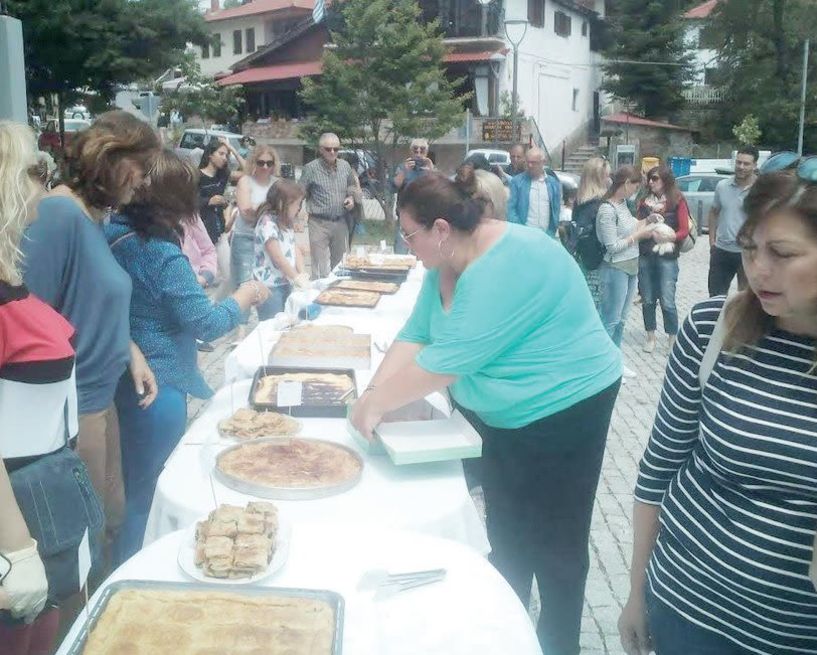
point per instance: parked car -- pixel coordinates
(699, 190)
(49, 140)
(568, 180)
(192, 142)
(501, 157)
(78, 111)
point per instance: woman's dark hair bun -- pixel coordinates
(434, 196)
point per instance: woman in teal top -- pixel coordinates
(505, 320)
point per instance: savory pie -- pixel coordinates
(249, 424)
(237, 542)
(391, 262)
(290, 464)
(317, 388)
(365, 285)
(316, 345)
(170, 622)
(348, 298)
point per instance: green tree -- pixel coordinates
(642, 32)
(384, 80)
(76, 46)
(200, 96)
(748, 132)
(761, 58)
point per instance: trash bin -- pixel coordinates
(680, 165)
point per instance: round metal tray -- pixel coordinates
(286, 493)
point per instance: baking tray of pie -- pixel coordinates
(352, 351)
(270, 492)
(384, 288)
(333, 599)
(377, 274)
(317, 402)
(331, 298)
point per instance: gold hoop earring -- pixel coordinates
(440, 248)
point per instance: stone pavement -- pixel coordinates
(611, 535)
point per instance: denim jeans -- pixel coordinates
(617, 294)
(672, 634)
(148, 437)
(275, 303)
(657, 278)
(242, 257)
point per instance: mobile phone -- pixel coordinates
(419, 163)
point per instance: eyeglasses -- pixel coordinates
(330, 149)
(406, 237)
(266, 163)
(805, 167)
(418, 148)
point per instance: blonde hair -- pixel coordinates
(491, 190)
(252, 160)
(18, 153)
(593, 183)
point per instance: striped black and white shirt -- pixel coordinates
(735, 472)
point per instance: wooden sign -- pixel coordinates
(500, 130)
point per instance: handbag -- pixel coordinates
(692, 236)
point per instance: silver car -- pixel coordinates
(699, 191)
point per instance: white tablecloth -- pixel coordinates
(429, 498)
(383, 323)
(472, 612)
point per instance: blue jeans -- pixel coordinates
(275, 303)
(617, 294)
(242, 257)
(672, 634)
(148, 437)
(657, 277)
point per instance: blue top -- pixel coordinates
(68, 264)
(168, 310)
(519, 201)
(524, 342)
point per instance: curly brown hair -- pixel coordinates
(93, 163)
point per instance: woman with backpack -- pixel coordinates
(658, 257)
(619, 232)
(586, 247)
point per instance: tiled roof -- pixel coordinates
(258, 7)
(702, 11)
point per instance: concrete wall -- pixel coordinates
(551, 69)
(654, 142)
(224, 29)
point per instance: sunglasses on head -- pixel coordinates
(330, 149)
(266, 163)
(654, 178)
(418, 148)
(805, 167)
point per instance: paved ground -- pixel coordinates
(611, 537)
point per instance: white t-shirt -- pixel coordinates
(539, 207)
(264, 270)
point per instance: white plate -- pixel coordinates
(187, 557)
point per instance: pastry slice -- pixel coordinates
(218, 547)
(252, 552)
(227, 513)
(251, 524)
(262, 507)
(219, 567)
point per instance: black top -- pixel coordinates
(212, 215)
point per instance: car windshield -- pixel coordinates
(75, 125)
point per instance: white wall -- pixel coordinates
(224, 28)
(703, 58)
(550, 68)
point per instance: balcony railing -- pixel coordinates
(464, 18)
(703, 95)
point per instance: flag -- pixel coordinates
(319, 10)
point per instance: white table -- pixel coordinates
(430, 498)
(383, 323)
(472, 612)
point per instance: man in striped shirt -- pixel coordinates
(332, 190)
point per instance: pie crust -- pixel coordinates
(324, 389)
(290, 464)
(366, 285)
(348, 298)
(165, 622)
(249, 424)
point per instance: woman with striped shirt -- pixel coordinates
(726, 499)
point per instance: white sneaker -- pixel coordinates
(628, 372)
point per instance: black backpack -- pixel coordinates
(582, 241)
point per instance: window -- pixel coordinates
(561, 23)
(250, 34)
(205, 51)
(585, 27)
(236, 42)
(575, 100)
(689, 185)
(216, 45)
(192, 140)
(708, 184)
(536, 13)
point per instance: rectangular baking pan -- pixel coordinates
(340, 287)
(314, 411)
(350, 305)
(323, 361)
(333, 599)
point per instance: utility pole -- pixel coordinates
(803, 98)
(13, 104)
(515, 97)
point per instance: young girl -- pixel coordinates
(278, 260)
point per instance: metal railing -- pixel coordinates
(703, 95)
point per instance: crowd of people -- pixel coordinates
(109, 281)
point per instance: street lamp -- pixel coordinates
(515, 44)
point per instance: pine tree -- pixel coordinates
(383, 82)
(644, 32)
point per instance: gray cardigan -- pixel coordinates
(614, 224)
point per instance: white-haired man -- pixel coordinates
(332, 191)
(416, 165)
